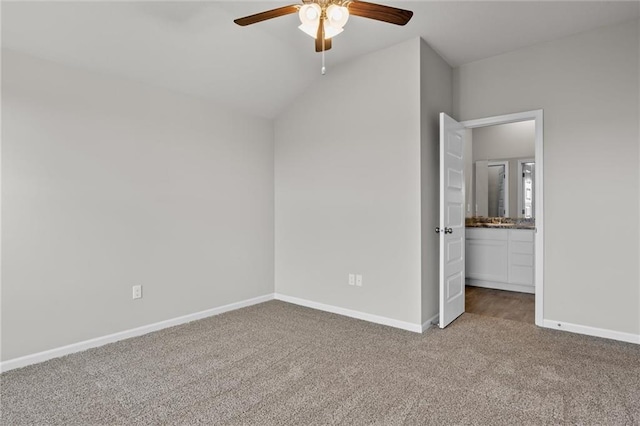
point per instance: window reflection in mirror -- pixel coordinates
(526, 191)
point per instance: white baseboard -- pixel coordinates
(99, 341)
(416, 328)
(431, 322)
(521, 288)
(593, 331)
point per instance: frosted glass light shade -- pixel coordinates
(309, 15)
(337, 16)
(329, 31)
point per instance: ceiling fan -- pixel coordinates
(324, 19)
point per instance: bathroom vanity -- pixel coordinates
(500, 257)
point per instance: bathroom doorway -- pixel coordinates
(504, 217)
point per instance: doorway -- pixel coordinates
(529, 206)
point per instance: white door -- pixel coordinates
(451, 229)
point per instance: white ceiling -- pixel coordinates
(195, 48)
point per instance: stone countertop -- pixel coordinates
(499, 222)
(502, 225)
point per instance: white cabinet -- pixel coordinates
(500, 258)
(521, 257)
(487, 253)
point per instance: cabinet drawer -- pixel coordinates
(521, 235)
(521, 247)
(487, 234)
(521, 260)
(521, 275)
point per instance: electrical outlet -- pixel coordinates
(359, 280)
(137, 292)
(352, 279)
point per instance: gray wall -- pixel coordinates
(513, 140)
(347, 187)
(588, 87)
(436, 96)
(108, 183)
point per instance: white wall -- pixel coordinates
(347, 187)
(588, 87)
(436, 96)
(107, 183)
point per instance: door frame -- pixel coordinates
(537, 116)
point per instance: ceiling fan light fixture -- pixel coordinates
(312, 31)
(330, 31)
(337, 15)
(309, 14)
(308, 30)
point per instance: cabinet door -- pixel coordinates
(487, 256)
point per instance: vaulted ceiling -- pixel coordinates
(195, 48)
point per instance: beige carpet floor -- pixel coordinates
(280, 364)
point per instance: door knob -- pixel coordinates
(437, 229)
(448, 231)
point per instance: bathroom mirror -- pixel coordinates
(499, 193)
(492, 188)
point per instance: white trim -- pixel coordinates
(502, 119)
(539, 208)
(536, 115)
(416, 328)
(520, 288)
(593, 331)
(126, 334)
(431, 322)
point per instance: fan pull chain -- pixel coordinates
(323, 69)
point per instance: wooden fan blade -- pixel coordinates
(379, 12)
(320, 36)
(269, 14)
